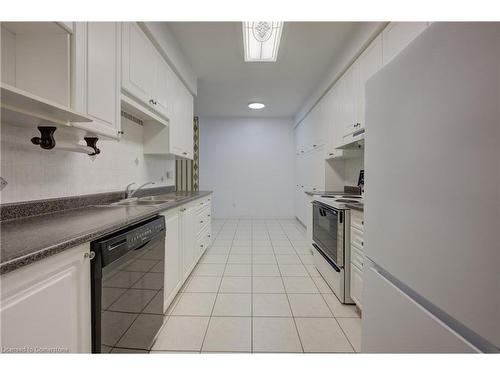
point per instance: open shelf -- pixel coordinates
(23, 108)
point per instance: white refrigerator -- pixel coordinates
(432, 201)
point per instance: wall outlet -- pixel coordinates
(168, 174)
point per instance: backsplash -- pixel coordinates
(33, 173)
(352, 168)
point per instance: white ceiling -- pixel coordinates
(226, 84)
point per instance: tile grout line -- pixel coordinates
(287, 298)
(170, 309)
(333, 313)
(251, 287)
(220, 284)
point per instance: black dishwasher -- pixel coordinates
(127, 275)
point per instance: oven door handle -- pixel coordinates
(331, 262)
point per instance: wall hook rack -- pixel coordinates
(47, 142)
(92, 143)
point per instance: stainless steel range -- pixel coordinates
(331, 239)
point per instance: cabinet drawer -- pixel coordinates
(356, 285)
(204, 203)
(203, 219)
(357, 257)
(348, 131)
(357, 238)
(204, 239)
(358, 220)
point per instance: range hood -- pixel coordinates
(354, 141)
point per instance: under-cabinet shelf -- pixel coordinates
(20, 107)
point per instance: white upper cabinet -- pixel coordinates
(350, 99)
(97, 71)
(370, 62)
(187, 123)
(153, 86)
(181, 122)
(397, 35)
(36, 59)
(162, 90)
(146, 76)
(139, 67)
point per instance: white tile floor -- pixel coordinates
(256, 290)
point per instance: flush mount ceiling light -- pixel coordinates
(256, 105)
(261, 40)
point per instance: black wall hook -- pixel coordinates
(92, 142)
(46, 141)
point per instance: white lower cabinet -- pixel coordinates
(357, 256)
(186, 241)
(173, 257)
(356, 285)
(45, 307)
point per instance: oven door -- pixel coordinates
(328, 233)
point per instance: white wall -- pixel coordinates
(33, 173)
(249, 164)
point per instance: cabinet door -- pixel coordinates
(356, 284)
(175, 120)
(173, 260)
(139, 64)
(350, 97)
(370, 62)
(97, 66)
(188, 240)
(397, 35)
(330, 120)
(181, 121)
(47, 304)
(162, 91)
(187, 123)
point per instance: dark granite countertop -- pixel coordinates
(27, 240)
(321, 192)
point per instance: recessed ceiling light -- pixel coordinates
(256, 105)
(261, 40)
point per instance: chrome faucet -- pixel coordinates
(129, 193)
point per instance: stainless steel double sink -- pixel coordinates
(153, 200)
